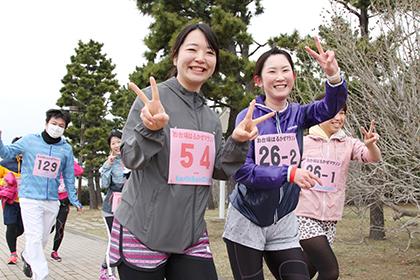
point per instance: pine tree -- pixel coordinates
(88, 81)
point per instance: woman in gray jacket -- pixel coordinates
(172, 142)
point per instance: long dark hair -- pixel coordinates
(210, 37)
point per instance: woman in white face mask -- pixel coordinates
(47, 156)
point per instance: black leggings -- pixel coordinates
(177, 267)
(63, 212)
(13, 231)
(320, 258)
(246, 263)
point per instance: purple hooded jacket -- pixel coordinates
(263, 193)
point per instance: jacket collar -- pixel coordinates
(191, 98)
(316, 132)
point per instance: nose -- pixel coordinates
(199, 57)
(279, 77)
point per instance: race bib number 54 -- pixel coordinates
(46, 166)
(191, 158)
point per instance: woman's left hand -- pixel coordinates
(326, 59)
(247, 129)
(370, 137)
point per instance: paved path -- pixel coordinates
(82, 255)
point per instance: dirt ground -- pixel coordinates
(358, 256)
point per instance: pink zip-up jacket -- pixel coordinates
(328, 206)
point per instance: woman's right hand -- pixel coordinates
(152, 114)
(111, 159)
(305, 179)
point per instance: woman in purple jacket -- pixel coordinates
(260, 222)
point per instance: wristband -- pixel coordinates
(334, 78)
(292, 174)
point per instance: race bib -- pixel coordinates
(277, 149)
(191, 158)
(116, 200)
(327, 170)
(46, 166)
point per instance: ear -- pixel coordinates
(294, 75)
(174, 61)
(257, 80)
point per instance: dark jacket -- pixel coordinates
(262, 193)
(170, 217)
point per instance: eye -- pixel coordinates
(211, 52)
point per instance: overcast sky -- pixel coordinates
(38, 38)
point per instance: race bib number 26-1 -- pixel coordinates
(327, 170)
(192, 156)
(46, 166)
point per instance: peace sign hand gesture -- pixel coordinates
(152, 114)
(326, 59)
(370, 137)
(247, 129)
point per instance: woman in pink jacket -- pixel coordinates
(327, 153)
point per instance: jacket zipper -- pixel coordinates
(48, 180)
(278, 127)
(324, 199)
(195, 188)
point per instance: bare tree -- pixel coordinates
(383, 74)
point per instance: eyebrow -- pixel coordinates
(197, 45)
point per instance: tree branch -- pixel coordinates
(350, 9)
(259, 46)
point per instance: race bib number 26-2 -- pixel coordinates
(277, 149)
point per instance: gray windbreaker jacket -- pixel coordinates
(167, 217)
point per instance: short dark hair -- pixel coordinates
(259, 65)
(208, 33)
(322, 95)
(114, 133)
(58, 114)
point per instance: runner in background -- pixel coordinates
(172, 142)
(113, 177)
(328, 152)
(46, 156)
(63, 212)
(12, 218)
(260, 221)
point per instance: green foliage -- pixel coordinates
(229, 19)
(88, 81)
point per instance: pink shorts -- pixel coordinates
(134, 252)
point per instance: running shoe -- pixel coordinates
(13, 258)
(26, 268)
(55, 256)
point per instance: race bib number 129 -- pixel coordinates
(191, 158)
(46, 166)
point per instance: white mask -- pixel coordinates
(54, 130)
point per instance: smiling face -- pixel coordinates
(195, 61)
(115, 145)
(335, 124)
(277, 79)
